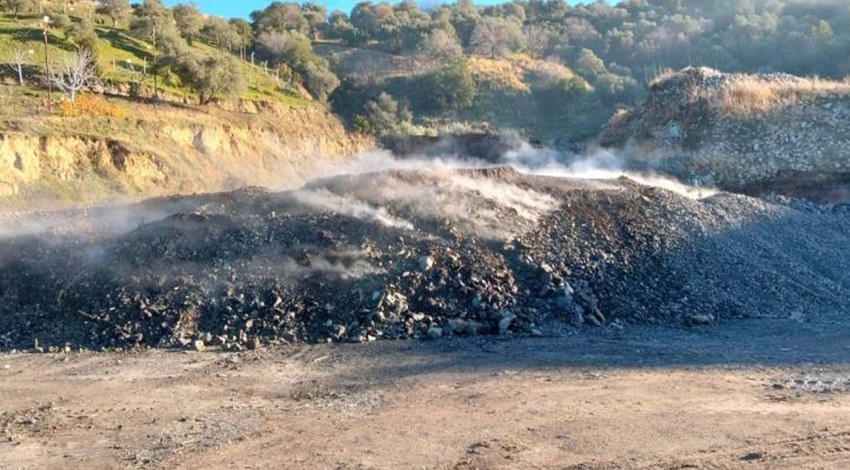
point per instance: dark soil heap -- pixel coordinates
(422, 254)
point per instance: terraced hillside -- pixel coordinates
(120, 142)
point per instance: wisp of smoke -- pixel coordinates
(598, 165)
(346, 265)
(90, 221)
(444, 192)
(526, 203)
(596, 168)
(326, 200)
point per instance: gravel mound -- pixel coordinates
(422, 254)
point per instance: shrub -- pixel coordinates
(294, 50)
(383, 115)
(450, 87)
(91, 105)
(212, 77)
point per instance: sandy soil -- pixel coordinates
(755, 394)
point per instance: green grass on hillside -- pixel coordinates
(124, 59)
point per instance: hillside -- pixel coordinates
(754, 133)
(122, 143)
(125, 61)
(542, 99)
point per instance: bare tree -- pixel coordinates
(17, 57)
(74, 73)
(536, 40)
(438, 48)
(495, 37)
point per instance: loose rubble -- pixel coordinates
(797, 145)
(423, 255)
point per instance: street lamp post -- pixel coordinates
(46, 25)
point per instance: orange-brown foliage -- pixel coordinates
(91, 105)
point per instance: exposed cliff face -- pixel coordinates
(742, 132)
(167, 150)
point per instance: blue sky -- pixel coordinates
(242, 8)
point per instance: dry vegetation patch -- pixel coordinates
(502, 75)
(512, 73)
(747, 94)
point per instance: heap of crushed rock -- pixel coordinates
(423, 254)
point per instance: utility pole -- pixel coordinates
(46, 24)
(155, 54)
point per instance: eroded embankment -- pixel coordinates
(166, 149)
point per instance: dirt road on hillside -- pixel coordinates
(755, 394)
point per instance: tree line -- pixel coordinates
(616, 48)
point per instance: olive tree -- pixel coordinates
(189, 20)
(216, 76)
(220, 32)
(118, 11)
(294, 50)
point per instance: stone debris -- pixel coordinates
(701, 126)
(250, 267)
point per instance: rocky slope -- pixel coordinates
(165, 149)
(417, 254)
(751, 133)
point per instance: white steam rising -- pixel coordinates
(473, 201)
(528, 204)
(90, 221)
(326, 200)
(347, 265)
(598, 165)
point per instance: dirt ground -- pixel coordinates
(754, 394)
